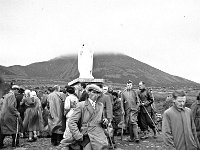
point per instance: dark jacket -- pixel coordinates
(146, 97)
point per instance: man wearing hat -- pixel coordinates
(9, 117)
(56, 117)
(89, 115)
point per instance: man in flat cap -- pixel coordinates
(9, 117)
(89, 115)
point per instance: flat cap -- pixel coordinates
(15, 87)
(94, 87)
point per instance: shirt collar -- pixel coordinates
(179, 109)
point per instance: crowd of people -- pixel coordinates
(89, 116)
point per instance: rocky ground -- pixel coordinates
(44, 144)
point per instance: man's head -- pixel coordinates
(129, 84)
(142, 85)
(105, 89)
(115, 95)
(94, 91)
(56, 88)
(179, 98)
(70, 90)
(83, 85)
(15, 89)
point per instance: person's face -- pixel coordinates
(129, 86)
(105, 90)
(114, 97)
(141, 86)
(180, 101)
(93, 95)
(16, 91)
(73, 104)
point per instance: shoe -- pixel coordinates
(30, 140)
(110, 146)
(144, 136)
(155, 136)
(130, 140)
(2, 147)
(137, 140)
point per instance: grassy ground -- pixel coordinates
(44, 144)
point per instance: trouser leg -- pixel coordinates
(15, 140)
(53, 139)
(151, 124)
(135, 131)
(59, 138)
(131, 131)
(2, 136)
(143, 120)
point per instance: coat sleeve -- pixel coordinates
(149, 99)
(73, 123)
(122, 102)
(109, 111)
(194, 131)
(167, 133)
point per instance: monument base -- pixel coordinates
(86, 80)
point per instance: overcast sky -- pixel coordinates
(162, 33)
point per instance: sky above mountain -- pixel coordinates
(163, 34)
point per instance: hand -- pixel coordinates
(141, 104)
(109, 124)
(105, 121)
(80, 140)
(123, 113)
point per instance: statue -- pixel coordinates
(85, 62)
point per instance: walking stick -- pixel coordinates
(17, 131)
(151, 119)
(122, 127)
(148, 113)
(110, 137)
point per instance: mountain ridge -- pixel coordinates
(115, 68)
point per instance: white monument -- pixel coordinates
(85, 66)
(85, 62)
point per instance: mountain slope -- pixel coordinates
(116, 68)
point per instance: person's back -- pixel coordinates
(56, 115)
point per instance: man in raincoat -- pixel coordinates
(85, 123)
(56, 115)
(10, 117)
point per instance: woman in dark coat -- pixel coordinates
(196, 115)
(31, 117)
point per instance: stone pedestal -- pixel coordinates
(86, 80)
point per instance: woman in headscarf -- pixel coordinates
(31, 118)
(38, 107)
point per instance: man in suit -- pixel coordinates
(89, 115)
